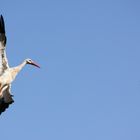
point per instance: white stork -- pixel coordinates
(7, 74)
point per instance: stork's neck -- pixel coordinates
(17, 69)
(21, 66)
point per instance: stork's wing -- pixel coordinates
(3, 59)
(6, 99)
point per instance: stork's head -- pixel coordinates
(31, 62)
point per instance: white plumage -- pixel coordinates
(7, 74)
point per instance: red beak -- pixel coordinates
(34, 64)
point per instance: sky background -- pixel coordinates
(88, 87)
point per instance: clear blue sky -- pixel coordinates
(88, 87)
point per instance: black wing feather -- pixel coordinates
(2, 25)
(2, 31)
(4, 105)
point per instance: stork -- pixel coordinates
(7, 74)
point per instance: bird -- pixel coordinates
(8, 74)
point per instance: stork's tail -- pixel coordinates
(2, 31)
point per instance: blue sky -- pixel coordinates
(88, 87)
